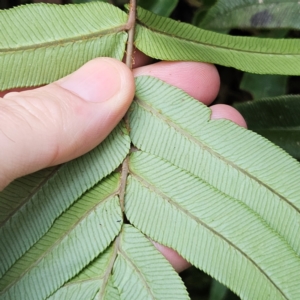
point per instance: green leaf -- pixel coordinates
(111, 291)
(85, 1)
(41, 43)
(223, 197)
(215, 232)
(130, 256)
(94, 282)
(87, 283)
(166, 39)
(217, 291)
(36, 212)
(277, 119)
(229, 205)
(262, 86)
(159, 7)
(33, 53)
(253, 14)
(235, 161)
(14, 195)
(141, 272)
(74, 240)
(201, 12)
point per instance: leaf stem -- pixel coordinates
(129, 58)
(125, 168)
(109, 268)
(130, 27)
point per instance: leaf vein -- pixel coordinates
(189, 136)
(62, 42)
(152, 188)
(141, 275)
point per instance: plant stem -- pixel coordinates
(109, 268)
(130, 27)
(124, 175)
(129, 58)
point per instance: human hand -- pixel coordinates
(63, 120)
(56, 123)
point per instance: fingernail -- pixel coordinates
(97, 81)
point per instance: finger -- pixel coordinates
(3, 93)
(178, 262)
(200, 80)
(223, 111)
(141, 59)
(61, 121)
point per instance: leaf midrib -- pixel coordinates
(277, 128)
(104, 277)
(213, 46)
(109, 267)
(190, 137)
(31, 194)
(152, 188)
(61, 42)
(58, 241)
(141, 274)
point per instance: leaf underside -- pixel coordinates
(223, 197)
(141, 272)
(207, 227)
(36, 212)
(233, 214)
(41, 43)
(76, 237)
(222, 156)
(166, 39)
(34, 53)
(131, 255)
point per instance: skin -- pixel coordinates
(53, 124)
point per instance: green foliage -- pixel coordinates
(159, 7)
(263, 86)
(69, 234)
(252, 14)
(223, 197)
(276, 119)
(63, 186)
(177, 41)
(218, 291)
(94, 29)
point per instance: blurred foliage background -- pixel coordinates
(269, 103)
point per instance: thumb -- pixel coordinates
(63, 120)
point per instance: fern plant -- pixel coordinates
(81, 230)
